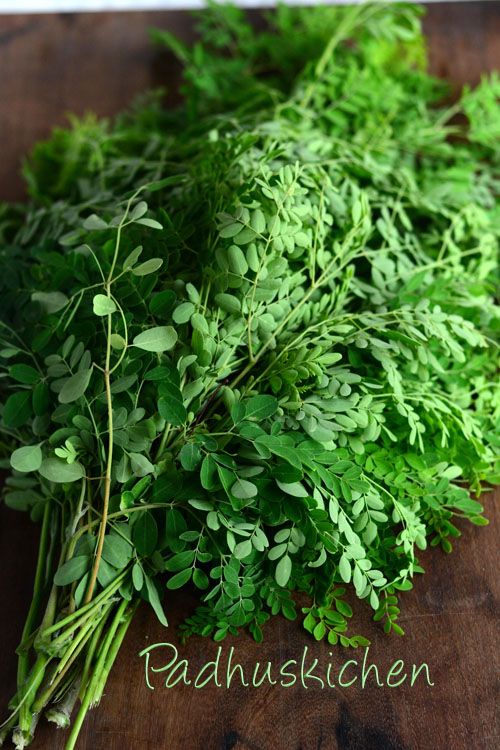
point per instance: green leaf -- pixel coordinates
(163, 374)
(200, 579)
(27, 458)
(149, 266)
(296, 489)
(174, 179)
(94, 223)
(286, 473)
(75, 386)
(243, 489)
(283, 571)
(260, 407)
(345, 569)
(180, 561)
(24, 374)
(180, 579)
(103, 305)
(258, 221)
(117, 341)
(158, 339)
(145, 534)
(22, 499)
(208, 472)
(116, 550)
(141, 466)
(237, 261)
(132, 257)
(190, 456)
(230, 230)
(150, 223)
(72, 570)
(41, 399)
(17, 409)
(139, 210)
(319, 631)
(170, 404)
(183, 312)
(228, 302)
(154, 600)
(137, 577)
(243, 549)
(57, 470)
(106, 573)
(51, 302)
(162, 303)
(175, 526)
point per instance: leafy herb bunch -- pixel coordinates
(249, 344)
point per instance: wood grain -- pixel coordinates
(58, 63)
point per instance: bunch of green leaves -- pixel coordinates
(249, 345)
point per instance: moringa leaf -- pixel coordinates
(158, 339)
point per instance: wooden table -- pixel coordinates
(52, 64)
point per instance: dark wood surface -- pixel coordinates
(57, 63)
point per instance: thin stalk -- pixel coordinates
(26, 714)
(94, 681)
(91, 651)
(23, 662)
(66, 662)
(81, 614)
(109, 402)
(113, 651)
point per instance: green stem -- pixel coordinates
(96, 677)
(76, 618)
(113, 651)
(67, 661)
(23, 663)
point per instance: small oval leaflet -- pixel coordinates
(151, 223)
(94, 223)
(154, 600)
(149, 266)
(141, 466)
(51, 302)
(28, 458)
(72, 570)
(103, 305)
(283, 570)
(139, 210)
(243, 489)
(57, 470)
(137, 577)
(75, 386)
(117, 341)
(183, 312)
(17, 410)
(158, 339)
(180, 579)
(345, 569)
(116, 550)
(145, 534)
(228, 302)
(132, 257)
(24, 374)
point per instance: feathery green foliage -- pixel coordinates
(249, 344)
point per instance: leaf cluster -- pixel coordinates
(249, 346)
